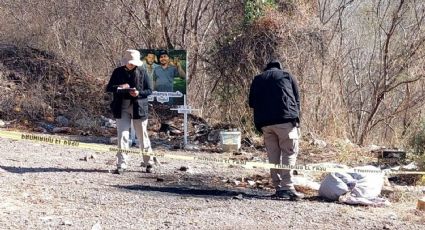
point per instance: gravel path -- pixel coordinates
(46, 186)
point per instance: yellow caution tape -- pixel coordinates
(248, 164)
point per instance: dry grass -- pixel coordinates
(40, 86)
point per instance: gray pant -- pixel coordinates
(123, 129)
(281, 142)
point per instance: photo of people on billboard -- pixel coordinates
(167, 73)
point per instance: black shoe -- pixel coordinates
(149, 169)
(298, 195)
(119, 171)
(291, 194)
(281, 194)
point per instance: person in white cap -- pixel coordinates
(130, 86)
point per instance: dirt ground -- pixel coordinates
(45, 186)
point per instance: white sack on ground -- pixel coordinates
(354, 188)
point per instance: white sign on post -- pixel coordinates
(167, 72)
(163, 97)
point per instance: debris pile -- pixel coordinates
(39, 87)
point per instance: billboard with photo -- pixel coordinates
(167, 72)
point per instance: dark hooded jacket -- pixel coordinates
(274, 97)
(136, 78)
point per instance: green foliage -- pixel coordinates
(179, 85)
(255, 8)
(417, 141)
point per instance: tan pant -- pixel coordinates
(146, 141)
(281, 142)
(123, 129)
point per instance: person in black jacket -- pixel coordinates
(275, 99)
(130, 86)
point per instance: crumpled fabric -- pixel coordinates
(354, 188)
(350, 198)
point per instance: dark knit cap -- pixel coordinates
(273, 64)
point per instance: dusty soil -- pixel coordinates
(46, 186)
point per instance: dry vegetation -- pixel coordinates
(38, 86)
(360, 64)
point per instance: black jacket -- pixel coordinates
(136, 78)
(274, 97)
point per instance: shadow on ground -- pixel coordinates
(214, 193)
(199, 185)
(197, 192)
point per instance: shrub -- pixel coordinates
(417, 141)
